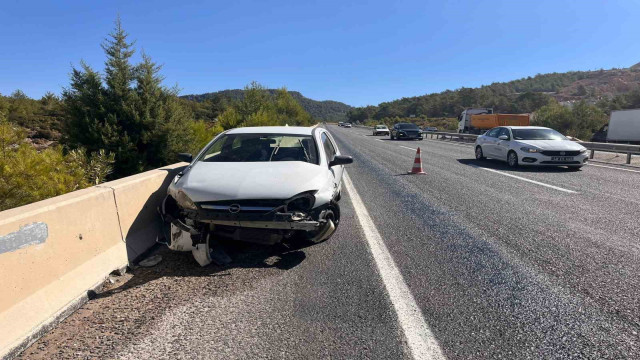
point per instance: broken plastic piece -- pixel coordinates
(201, 254)
(180, 239)
(151, 261)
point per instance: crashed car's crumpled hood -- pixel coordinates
(214, 181)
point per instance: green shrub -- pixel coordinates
(28, 175)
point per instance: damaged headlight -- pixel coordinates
(302, 202)
(184, 201)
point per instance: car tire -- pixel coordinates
(333, 213)
(512, 159)
(479, 153)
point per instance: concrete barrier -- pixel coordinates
(137, 198)
(53, 251)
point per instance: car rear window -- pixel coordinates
(261, 148)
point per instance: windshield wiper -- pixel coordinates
(275, 151)
(306, 155)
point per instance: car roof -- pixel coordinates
(293, 130)
(525, 127)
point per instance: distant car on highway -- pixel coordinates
(380, 130)
(346, 125)
(407, 131)
(340, 123)
(530, 145)
(430, 129)
(257, 184)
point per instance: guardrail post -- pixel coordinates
(628, 158)
(591, 155)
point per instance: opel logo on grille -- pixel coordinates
(234, 208)
(562, 153)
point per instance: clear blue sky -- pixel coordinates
(358, 53)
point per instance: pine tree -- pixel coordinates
(129, 112)
(84, 105)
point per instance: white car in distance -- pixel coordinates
(531, 146)
(380, 130)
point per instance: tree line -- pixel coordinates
(116, 122)
(529, 95)
(327, 110)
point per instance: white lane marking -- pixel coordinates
(613, 167)
(380, 140)
(406, 147)
(451, 142)
(528, 180)
(422, 343)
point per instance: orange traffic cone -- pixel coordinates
(417, 165)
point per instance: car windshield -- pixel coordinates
(261, 148)
(537, 134)
(380, 127)
(408, 126)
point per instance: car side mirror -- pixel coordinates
(186, 157)
(503, 137)
(341, 160)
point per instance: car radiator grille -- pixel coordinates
(560, 153)
(242, 206)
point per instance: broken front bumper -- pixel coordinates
(270, 220)
(188, 226)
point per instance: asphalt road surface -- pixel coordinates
(471, 261)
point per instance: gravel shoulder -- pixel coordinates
(323, 301)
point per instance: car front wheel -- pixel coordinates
(512, 159)
(332, 217)
(479, 154)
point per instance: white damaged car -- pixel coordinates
(256, 184)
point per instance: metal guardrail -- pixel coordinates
(612, 148)
(443, 135)
(627, 149)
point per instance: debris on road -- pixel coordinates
(151, 261)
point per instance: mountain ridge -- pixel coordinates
(520, 95)
(323, 110)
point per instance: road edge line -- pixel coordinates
(422, 343)
(528, 180)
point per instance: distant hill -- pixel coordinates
(517, 96)
(326, 110)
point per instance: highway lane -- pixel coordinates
(504, 267)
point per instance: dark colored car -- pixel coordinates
(405, 131)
